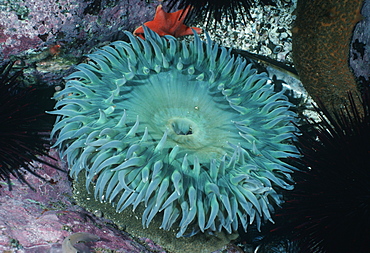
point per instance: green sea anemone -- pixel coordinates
(184, 129)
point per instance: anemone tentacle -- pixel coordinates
(182, 129)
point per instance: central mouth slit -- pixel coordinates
(182, 127)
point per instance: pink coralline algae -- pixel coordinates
(39, 221)
(78, 25)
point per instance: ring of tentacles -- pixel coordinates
(191, 133)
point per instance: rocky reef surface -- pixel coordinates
(39, 219)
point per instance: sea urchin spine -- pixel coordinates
(329, 208)
(24, 125)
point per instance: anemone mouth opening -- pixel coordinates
(186, 132)
(182, 126)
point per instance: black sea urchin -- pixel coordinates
(23, 126)
(184, 129)
(330, 205)
(218, 9)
